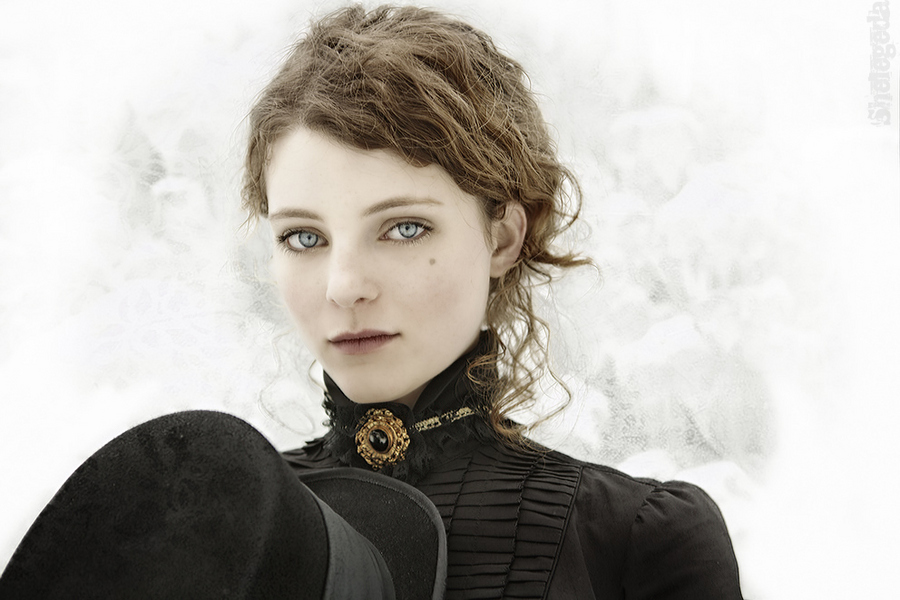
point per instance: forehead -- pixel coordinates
(307, 168)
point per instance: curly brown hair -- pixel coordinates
(435, 90)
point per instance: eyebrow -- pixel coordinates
(398, 202)
(294, 213)
(299, 213)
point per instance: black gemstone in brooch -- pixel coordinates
(381, 438)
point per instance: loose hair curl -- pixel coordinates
(434, 90)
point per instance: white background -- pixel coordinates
(744, 212)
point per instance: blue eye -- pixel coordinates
(301, 240)
(407, 231)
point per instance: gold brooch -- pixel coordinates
(381, 438)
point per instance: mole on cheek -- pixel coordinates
(431, 261)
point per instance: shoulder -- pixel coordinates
(660, 539)
(607, 491)
(642, 501)
(679, 546)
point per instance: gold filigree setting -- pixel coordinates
(381, 438)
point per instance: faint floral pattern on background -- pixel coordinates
(735, 203)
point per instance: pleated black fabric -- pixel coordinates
(505, 514)
(533, 523)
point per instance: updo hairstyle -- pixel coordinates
(434, 90)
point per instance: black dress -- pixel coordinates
(532, 523)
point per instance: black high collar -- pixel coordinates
(448, 391)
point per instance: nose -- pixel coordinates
(350, 280)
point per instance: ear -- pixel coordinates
(508, 234)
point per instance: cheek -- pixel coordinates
(298, 291)
(455, 290)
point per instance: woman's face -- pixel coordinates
(384, 266)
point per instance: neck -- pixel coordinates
(411, 398)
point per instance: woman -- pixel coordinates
(414, 196)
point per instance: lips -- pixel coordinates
(362, 342)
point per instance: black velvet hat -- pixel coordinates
(199, 505)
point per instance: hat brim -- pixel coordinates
(400, 521)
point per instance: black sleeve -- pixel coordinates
(679, 548)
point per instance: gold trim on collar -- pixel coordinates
(445, 418)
